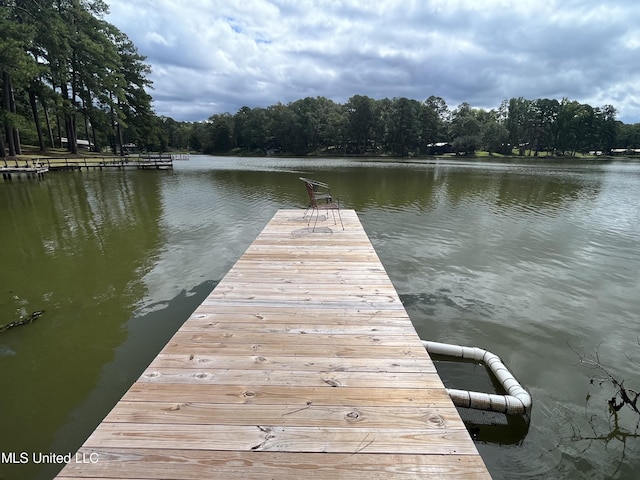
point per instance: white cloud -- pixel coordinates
(216, 56)
(155, 37)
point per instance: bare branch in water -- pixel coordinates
(623, 395)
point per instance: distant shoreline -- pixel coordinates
(32, 153)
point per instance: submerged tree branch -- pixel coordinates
(623, 395)
(32, 317)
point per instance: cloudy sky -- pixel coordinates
(215, 56)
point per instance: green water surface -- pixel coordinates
(520, 258)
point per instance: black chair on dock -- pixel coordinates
(320, 198)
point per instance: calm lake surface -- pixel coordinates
(529, 260)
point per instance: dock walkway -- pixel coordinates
(35, 171)
(157, 162)
(301, 363)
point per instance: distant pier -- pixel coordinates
(157, 162)
(33, 171)
(37, 167)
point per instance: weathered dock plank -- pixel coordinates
(323, 363)
(435, 441)
(144, 463)
(289, 377)
(319, 416)
(301, 363)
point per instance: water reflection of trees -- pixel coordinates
(605, 437)
(76, 246)
(426, 186)
(418, 185)
(515, 188)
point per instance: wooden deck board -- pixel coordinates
(301, 363)
(286, 338)
(252, 438)
(144, 463)
(290, 415)
(289, 377)
(379, 365)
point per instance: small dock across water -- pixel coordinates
(157, 162)
(34, 171)
(37, 167)
(301, 363)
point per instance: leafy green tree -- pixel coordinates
(177, 134)
(197, 138)
(219, 132)
(250, 128)
(335, 131)
(281, 126)
(495, 138)
(628, 135)
(62, 56)
(439, 107)
(403, 129)
(221, 136)
(305, 134)
(428, 125)
(331, 123)
(545, 114)
(607, 127)
(127, 93)
(566, 126)
(381, 126)
(520, 123)
(465, 129)
(361, 118)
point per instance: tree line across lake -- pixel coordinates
(71, 79)
(405, 127)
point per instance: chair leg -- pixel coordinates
(304, 215)
(311, 218)
(317, 212)
(340, 217)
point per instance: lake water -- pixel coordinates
(536, 262)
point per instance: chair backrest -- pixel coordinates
(312, 194)
(311, 191)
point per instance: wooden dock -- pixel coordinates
(301, 363)
(39, 166)
(35, 171)
(156, 162)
